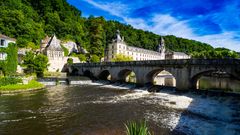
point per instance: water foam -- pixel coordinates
(206, 115)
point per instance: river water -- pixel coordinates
(102, 109)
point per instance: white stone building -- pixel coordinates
(52, 49)
(177, 55)
(118, 46)
(4, 41)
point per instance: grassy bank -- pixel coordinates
(31, 85)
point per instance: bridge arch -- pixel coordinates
(195, 79)
(104, 75)
(127, 75)
(161, 77)
(74, 72)
(89, 74)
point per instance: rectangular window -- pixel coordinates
(2, 43)
(3, 56)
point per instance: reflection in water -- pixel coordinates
(98, 109)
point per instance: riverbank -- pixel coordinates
(20, 88)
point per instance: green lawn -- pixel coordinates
(31, 85)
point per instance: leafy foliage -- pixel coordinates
(30, 20)
(35, 63)
(9, 66)
(12, 59)
(218, 53)
(9, 80)
(122, 57)
(82, 57)
(95, 58)
(134, 128)
(65, 50)
(40, 64)
(70, 61)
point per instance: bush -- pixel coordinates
(95, 58)
(121, 57)
(9, 80)
(134, 128)
(35, 63)
(69, 61)
(82, 57)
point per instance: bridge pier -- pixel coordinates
(183, 84)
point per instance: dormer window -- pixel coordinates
(2, 42)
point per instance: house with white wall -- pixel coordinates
(4, 41)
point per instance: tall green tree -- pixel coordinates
(40, 64)
(35, 63)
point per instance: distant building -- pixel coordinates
(50, 46)
(4, 41)
(177, 55)
(118, 46)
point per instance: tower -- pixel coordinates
(161, 48)
(119, 39)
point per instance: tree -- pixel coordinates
(35, 63)
(40, 64)
(12, 59)
(30, 20)
(28, 61)
(121, 57)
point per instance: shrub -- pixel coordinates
(82, 57)
(69, 61)
(121, 57)
(95, 58)
(9, 80)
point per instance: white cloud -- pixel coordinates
(114, 8)
(165, 24)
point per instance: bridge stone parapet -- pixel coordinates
(186, 71)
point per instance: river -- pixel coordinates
(102, 109)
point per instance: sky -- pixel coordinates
(216, 22)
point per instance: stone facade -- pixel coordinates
(177, 55)
(4, 41)
(118, 46)
(52, 49)
(186, 72)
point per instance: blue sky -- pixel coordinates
(216, 22)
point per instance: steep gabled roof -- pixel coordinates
(8, 38)
(54, 44)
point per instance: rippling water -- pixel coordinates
(98, 109)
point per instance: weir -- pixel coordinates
(185, 71)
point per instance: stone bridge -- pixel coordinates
(186, 72)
